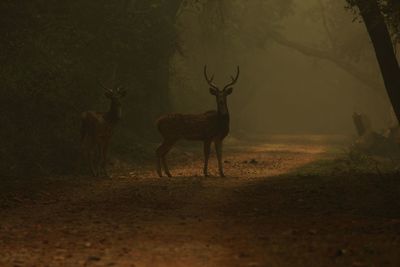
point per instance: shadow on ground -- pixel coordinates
(269, 212)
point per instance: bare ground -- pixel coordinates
(271, 210)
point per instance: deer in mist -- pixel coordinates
(209, 127)
(97, 129)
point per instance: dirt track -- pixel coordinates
(265, 213)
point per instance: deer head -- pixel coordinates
(115, 96)
(221, 95)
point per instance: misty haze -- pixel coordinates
(200, 133)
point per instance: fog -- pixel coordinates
(280, 90)
(305, 68)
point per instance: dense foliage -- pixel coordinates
(391, 11)
(53, 53)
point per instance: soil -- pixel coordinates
(270, 210)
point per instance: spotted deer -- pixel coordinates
(209, 127)
(97, 129)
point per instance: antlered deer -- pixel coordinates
(211, 126)
(97, 129)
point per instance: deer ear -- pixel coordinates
(228, 91)
(213, 91)
(122, 92)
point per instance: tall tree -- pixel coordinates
(378, 29)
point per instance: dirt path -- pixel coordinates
(265, 213)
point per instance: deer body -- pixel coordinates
(209, 127)
(96, 131)
(195, 127)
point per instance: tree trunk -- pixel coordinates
(385, 55)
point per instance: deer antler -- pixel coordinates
(209, 81)
(105, 88)
(234, 79)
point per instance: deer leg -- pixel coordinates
(92, 159)
(91, 155)
(104, 151)
(97, 159)
(159, 152)
(162, 151)
(158, 155)
(84, 154)
(218, 149)
(164, 162)
(158, 165)
(100, 159)
(163, 158)
(206, 148)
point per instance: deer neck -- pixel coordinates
(114, 113)
(222, 109)
(223, 115)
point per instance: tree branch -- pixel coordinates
(363, 77)
(325, 23)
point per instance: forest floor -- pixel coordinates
(286, 201)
